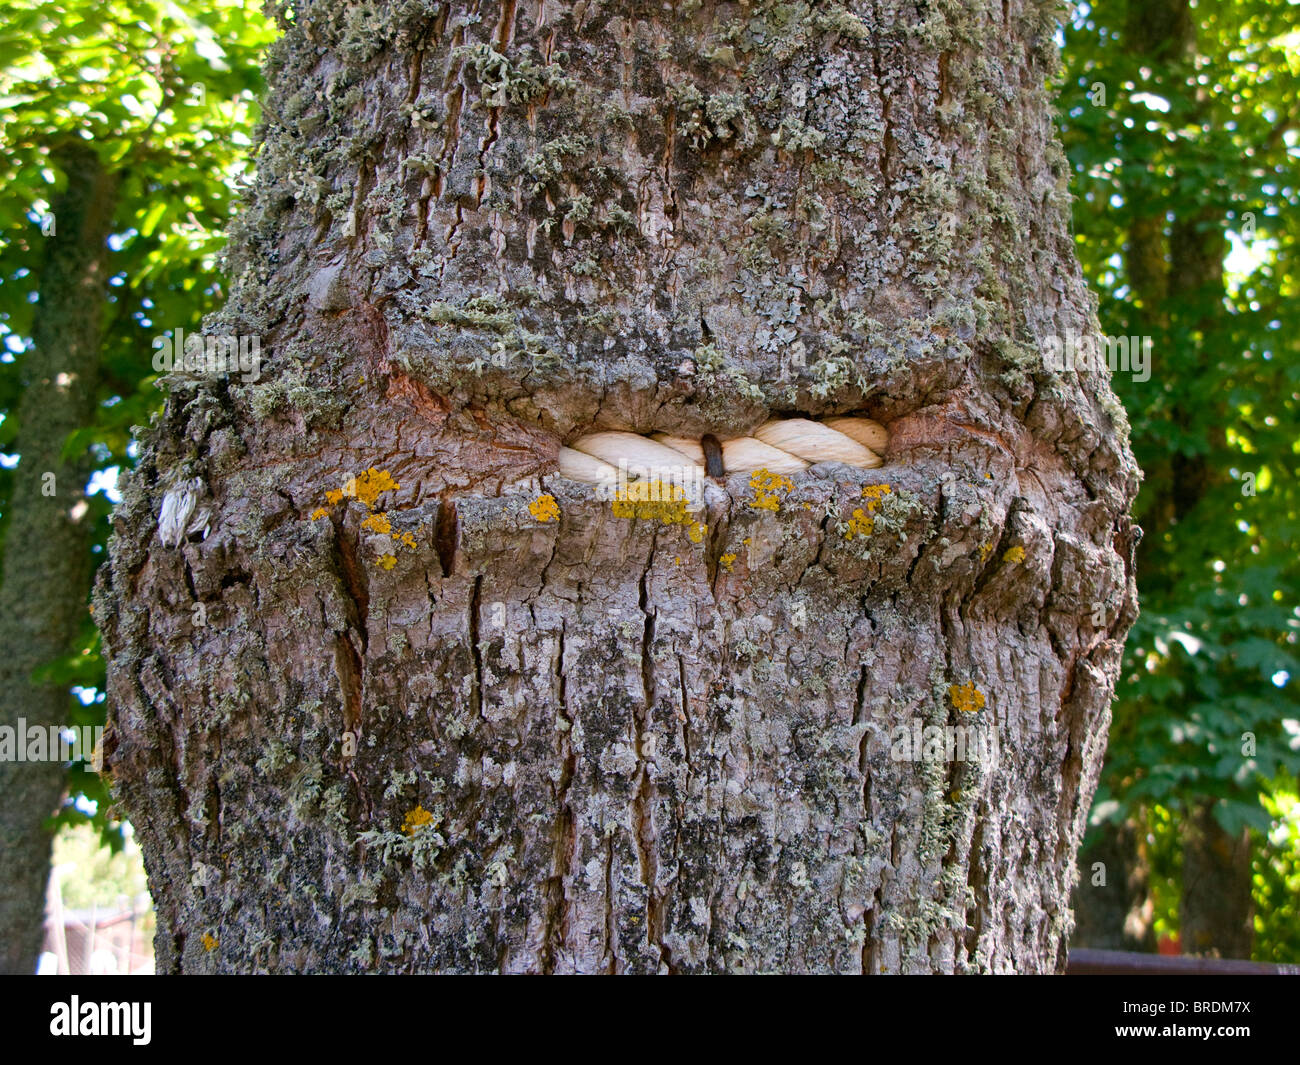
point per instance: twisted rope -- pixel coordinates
(783, 445)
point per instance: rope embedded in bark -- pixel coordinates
(782, 445)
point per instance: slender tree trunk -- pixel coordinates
(1112, 901)
(46, 568)
(455, 725)
(1217, 915)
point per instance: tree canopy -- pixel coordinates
(1182, 126)
(166, 95)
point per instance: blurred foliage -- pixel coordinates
(168, 98)
(1182, 152)
(1164, 855)
(1277, 878)
(91, 874)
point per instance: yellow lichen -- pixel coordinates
(387, 561)
(544, 508)
(365, 486)
(768, 488)
(985, 551)
(1016, 554)
(657, 501)
(407, 539)
(728, 560)
(652, 500)
(859, 525)
(862, 523)
(209, 941)
(415, 820)
(378, 523)
(966, 697)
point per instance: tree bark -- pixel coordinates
(47, 547)
(526, 741)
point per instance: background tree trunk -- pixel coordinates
(1217, 912)
(591, 743)
(46, 572)
(1116, 914)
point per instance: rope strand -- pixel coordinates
(782, 445)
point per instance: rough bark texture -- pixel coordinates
(481, 230)
(46, 572)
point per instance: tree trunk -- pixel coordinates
(1112, 900)
(540, 735)
(46, 572)
(1216, 915)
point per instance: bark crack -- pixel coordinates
(975, 880)
(887, 140)
(643, 803)
(348, 666)
(685, 719)
(476, 653)
(557, 916)
(356, 589)
(445, 535)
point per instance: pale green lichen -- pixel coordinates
(486, 312)
(516, 79)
